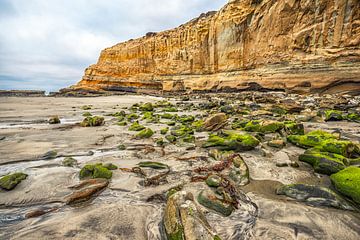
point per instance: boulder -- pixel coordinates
(347, 181)
(85, 190)
(9, 182)
(232, 141)
(215, 122)
(213, 201)
(93, 121)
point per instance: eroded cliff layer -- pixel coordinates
(302, 45)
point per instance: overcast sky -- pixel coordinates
(47, 44)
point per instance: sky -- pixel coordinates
(47, 44)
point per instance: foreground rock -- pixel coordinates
(314, 195)
(85, 190)
(10, 181)
(183, 219)
(347, 182)
(232, 141)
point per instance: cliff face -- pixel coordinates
(288, 44)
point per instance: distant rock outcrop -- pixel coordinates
(22, 93)
(297, 45)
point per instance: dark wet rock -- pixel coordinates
(54, 120)
(145, 133)
(154, 165)
(93, 121)
(281, 164)
(324, 162)
(69, 162)
(95, 171)
(184, 220)
(314, 195)
(232, 141)
(2, 138)
(136, 127)
(160, 142)
(215, 202)
(277, 143)
(86, 190)
(10, 181)
(347, 182)
(215, 122)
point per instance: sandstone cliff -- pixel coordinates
(297, 45)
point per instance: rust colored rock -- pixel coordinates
(215, 122)
(300, 46)
(85, 190)
(39, 212)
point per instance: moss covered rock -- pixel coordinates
(54, 120)
(213, 181)
(198, 125)
(95, 171)
(136, 127)
(293, 128)
(314, 195)
(353, 117)
(146, 107)
(181, 130)
(310, 139)
(164, 131)
(347, 182)
(239, 173)
(10, 181)
(263, 126)
(145, 133)
(69, 162)
(211, 201)
(344, 148)
(132, 116)
(93, 121)
(110, 166)
(171, 138)
(232, 141)
(333, 115)
(154, 165)
(324, 162)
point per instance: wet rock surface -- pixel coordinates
(179, 179)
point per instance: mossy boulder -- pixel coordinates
(69, 162)
(154, 165)
(263, 126)
(145, 133)
(344, 148)
(110, 166)
(136, 127)
(212, 201)
(215, 122)
(86, 107)
(186, 119)
(54, 120)
(213, 181)
(86, 114)
(171, 123)
(232, 141)
(198, 125)
(170, 109)
(314, 195)
(294, 128)
(150, 117)
(181, 130)
(132, 116)
(167, 116)
(10, 181)
(120, 114)
(93, 121)
(164, 131)
(324, 162)
(310, 139)
(95, 171)
(347, 182)
(333, 115)
(122, 123)
(171, 138)
(353, 117)
(146, 107)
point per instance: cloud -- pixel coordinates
(48, 44)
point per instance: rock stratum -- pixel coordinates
(293, 45)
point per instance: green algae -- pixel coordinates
(145, 133)
(136, 127)
(93, 121)
(347, 182)
(10, 181)
(95, 171)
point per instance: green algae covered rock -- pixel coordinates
(136, 127)
(324, 162)
(122, 123)
(132, 116)
(213, 181)
(146, 107)
(310, 139)
(69, 162)
(239, 173)
(182, 130)
(263, 126)
(10, 181)
(186, 119)
(86, 114)
(232, 141)
(198, 125)
(154, 165)
(171, 138)
(314, 195)
(164, 131)
(353, 117)
(92, 121)
(95, 171)
(145, 133)
(54, 120)
(344, 148)
(293, 128)
(333, 115)
(110, 166)
(347, 182)
(211, 201)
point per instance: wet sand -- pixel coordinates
(126, 209)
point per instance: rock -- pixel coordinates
(136, 127)
(215, 122)
(146, 107)
(110, 166)
(324, 162)
(155, 165)
(277, 143)
(344, 148)
(353, 117)
(95, 171)
(121, 147)
(145, 133)
(9, 182)
(314, 195)
(181, 131)
(85, 190)
(132, 116)
(347, 182)
(86, 107)
(240, 172)
(183, 220)
(54, 120)
(171, 138)
(69, 162)
(293, 128)
(122, 123)
(224, 50)
(213, 181)
(198, 125)
(333, 115)
(93, 121)
(163, 131)
(49, 155)
(232, 141)
(310, 139)
(210, 200)
(86, 114)
(227, 109)
(263, 126)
